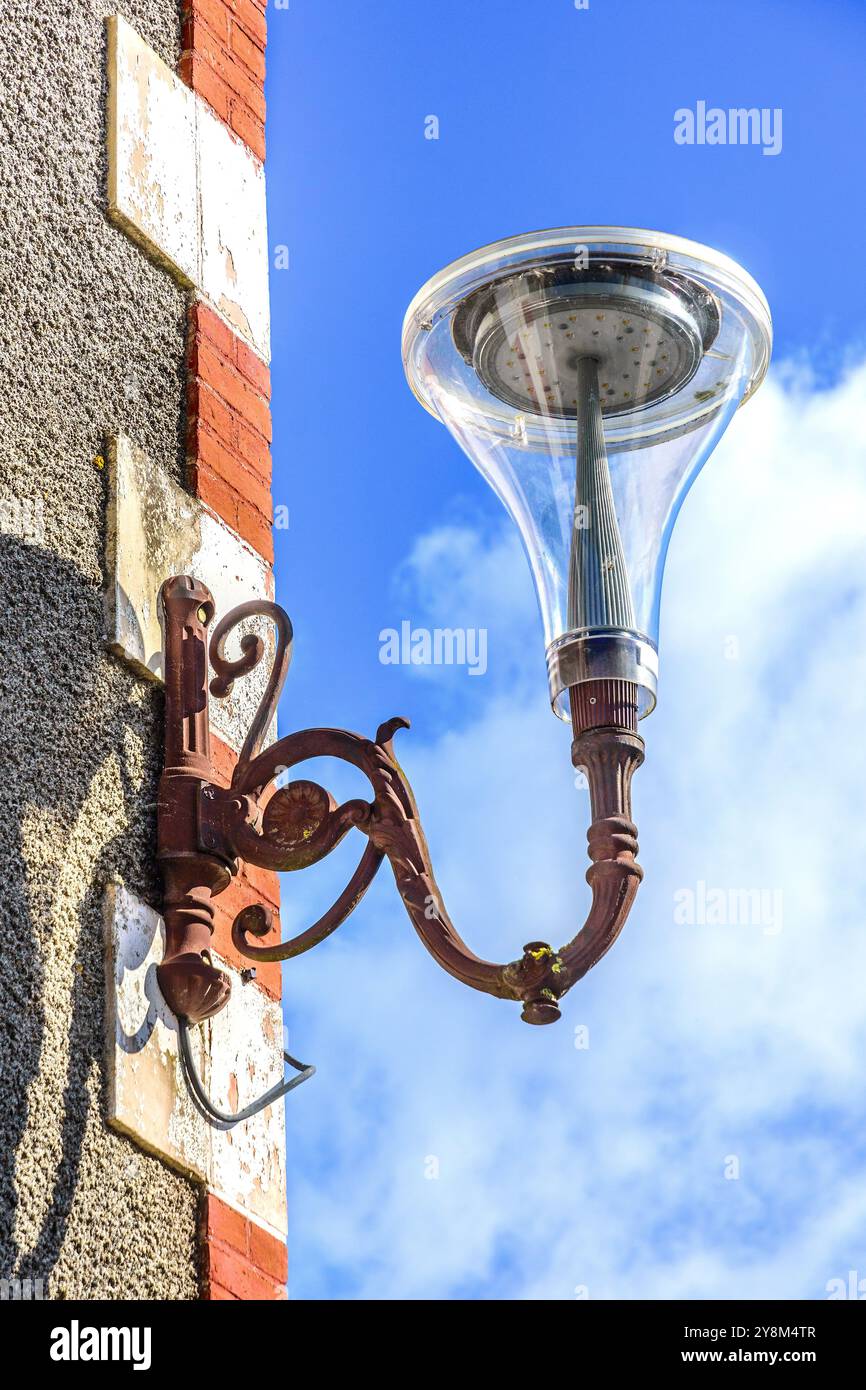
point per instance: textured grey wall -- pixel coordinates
(92, 342)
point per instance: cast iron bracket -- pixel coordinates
(206, 831)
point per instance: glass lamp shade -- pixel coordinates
(589, 372)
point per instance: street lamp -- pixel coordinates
(588, 372)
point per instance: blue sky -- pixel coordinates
(598, 1170)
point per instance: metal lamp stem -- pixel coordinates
(598, 589)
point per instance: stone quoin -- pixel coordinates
(209, 119)
(139, 173)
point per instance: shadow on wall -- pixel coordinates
(80, 758)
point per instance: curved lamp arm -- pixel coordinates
(206, 830)
(541, 975)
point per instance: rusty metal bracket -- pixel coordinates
(206, 831)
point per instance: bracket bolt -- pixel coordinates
(247, 975)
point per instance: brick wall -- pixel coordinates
(186, 183)
(228, 439)
(241, 1259)
(229, 427)
(224, 61)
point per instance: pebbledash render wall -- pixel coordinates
(120, 338)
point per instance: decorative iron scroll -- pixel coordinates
(294, 826)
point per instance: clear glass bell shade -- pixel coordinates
(589, 372)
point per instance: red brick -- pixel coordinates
(247, 52)
(215, 493)
(268, 1253)
(206, 323)
(240, 1260)
(247, 128)
(256, 412)
(205, 407)
(229, 366)
(264, 882)
(253, 490)
(197, 73)
(241, 893)
(213, 369)
(255, 450)
(251, 524)
(251, 20)
(269, 977)
(214, 13)
(221, 1222)
(199, 28)
(224, 61)
(223, 758)
(256, 530)
(233, 74)
(212, 457)
(218, 458)
(254, 369)
(235, 1274)
(211, 47)
(247, 88)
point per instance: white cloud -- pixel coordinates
(605, 1167)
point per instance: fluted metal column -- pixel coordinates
(598, 587)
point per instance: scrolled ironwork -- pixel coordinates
(290, 827)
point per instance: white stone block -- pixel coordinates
(238, 1055)
(234, 231)
(156, 529)
(152, 181)
(183, 186)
